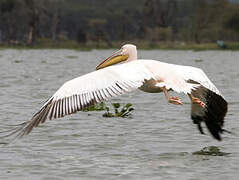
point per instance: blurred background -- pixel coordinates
(109, 23)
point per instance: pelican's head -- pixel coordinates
(127, 52)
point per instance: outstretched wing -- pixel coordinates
(216, 106)
(191, 80)
(84, 91)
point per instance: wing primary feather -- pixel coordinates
(197, 120)
(91, 99)
(213, 114)
(108, 92)
(66, 106)
(104, 94)
(127, 86)
(39, 117)
(69, 105)
(73, 104)
(63, 107)
(77, 102)
(44, 117)
(80, 103)
(117, 89)
(122, 86)
(96, 96)
(87, 99)
(60, 108)
(117, 84)
(133, 83)
(216, 111)
(91, 96)
(84, 100)
(52, 110)
(32, 123)
(99, 95)
(112, 90)
(57, 109)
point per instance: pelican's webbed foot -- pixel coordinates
(173, 99)
(197, 101)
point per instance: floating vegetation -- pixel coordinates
(124, 112)
(210, 151)
(43, 61)
(198, 60)
(97, 107)
(18, 61)
(71, 57)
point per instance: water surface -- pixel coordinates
(157, 142)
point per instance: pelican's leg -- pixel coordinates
(171, 99)
(196, 100)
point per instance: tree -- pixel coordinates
(207, 14)
(34, 10)
(233, 22)
(97, 29)
(52, 11)
(159, 14)
(232, 19)
(81, 36)
(6, 9)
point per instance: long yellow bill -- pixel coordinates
(114, 59)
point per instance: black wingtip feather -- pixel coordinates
(215, 112)
(197, 120)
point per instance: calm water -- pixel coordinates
(157, 142)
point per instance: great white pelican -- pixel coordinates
(208, 105)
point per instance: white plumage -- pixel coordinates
(148, 75)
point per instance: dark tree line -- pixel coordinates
(27, 21)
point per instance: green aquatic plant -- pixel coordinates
(97, 107)
(124, 112)
(210, 151)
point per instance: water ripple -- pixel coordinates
(157, 142)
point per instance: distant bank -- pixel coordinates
(71, 44)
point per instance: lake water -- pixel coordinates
(156, 142)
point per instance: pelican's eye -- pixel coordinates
(123, 51)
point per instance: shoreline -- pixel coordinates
(146, 45)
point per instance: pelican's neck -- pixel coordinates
(133, 56)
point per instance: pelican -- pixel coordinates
(151, 76)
